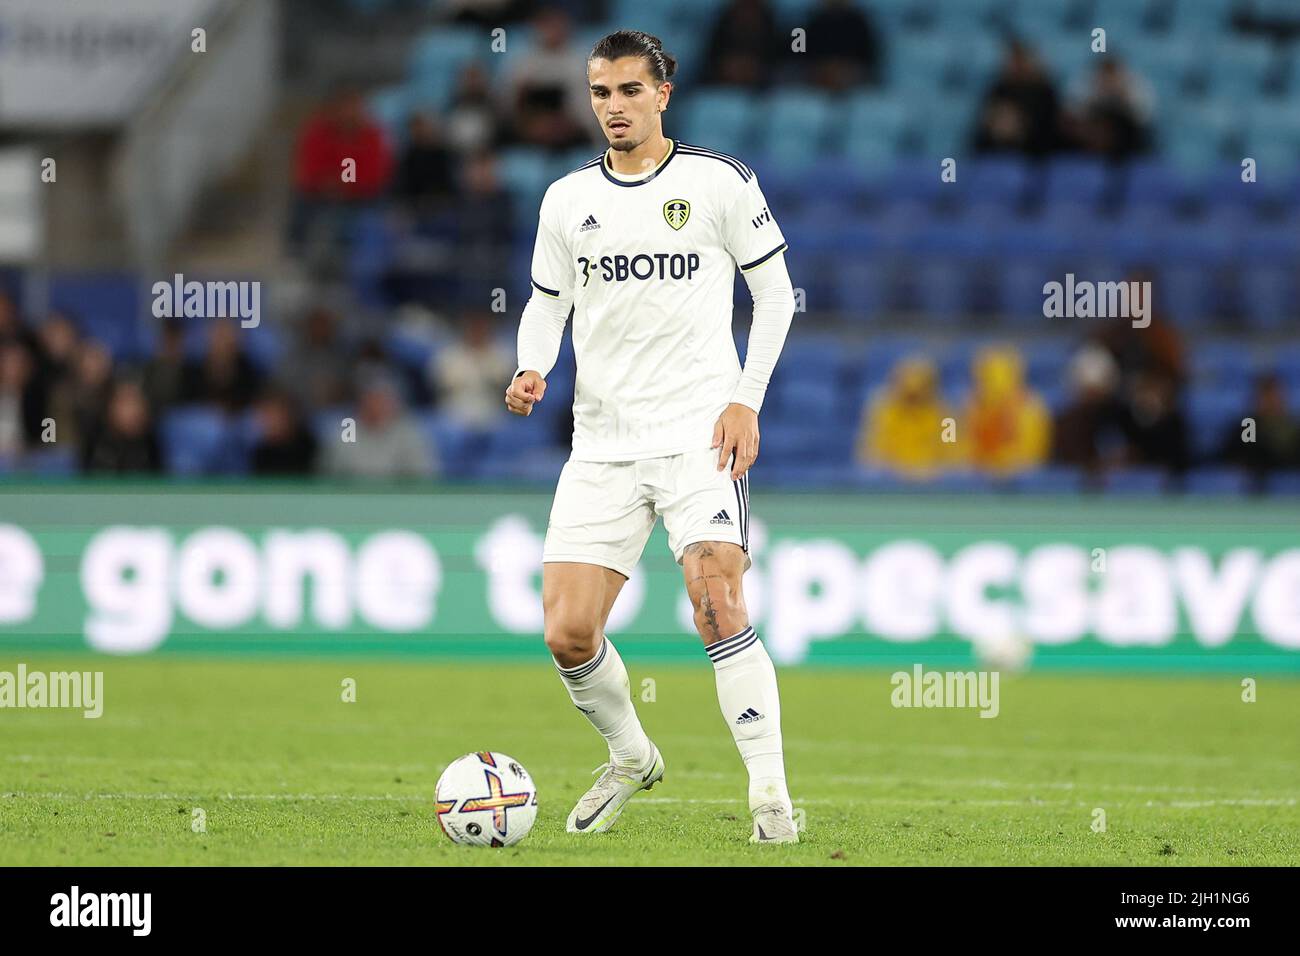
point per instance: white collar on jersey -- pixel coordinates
(623, 179)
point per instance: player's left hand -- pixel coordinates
(736, 432)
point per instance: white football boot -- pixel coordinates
(599, 807)
(774, 823)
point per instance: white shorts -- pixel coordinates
(603, 512)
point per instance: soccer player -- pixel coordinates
(643, 243)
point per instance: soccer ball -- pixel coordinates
(1004, 651)
(486, 799)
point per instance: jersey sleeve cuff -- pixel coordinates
(761, 259)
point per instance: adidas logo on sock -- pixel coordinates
(589, 224)
(749, 716)
(721, 518)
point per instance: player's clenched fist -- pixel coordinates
(524, 392)
(735, 435)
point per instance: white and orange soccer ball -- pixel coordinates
(486, 799)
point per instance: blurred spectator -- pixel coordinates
(1089, 432)
(485, 228)
(843, 47)
(342, 130)
(285, 445)
(372, 363)
(124, 442)
(316, 368)
(59, 342)
(485, 13)
(472, 124)
(1276, 444)
(225, 376)
(424, 173)
(21, 408)
(902, 430)
(1157, 347)
(81, 407)
(1021, 112)
(163, 374)
(549, 94)
(12, 328)
(744, 44)
(1008, 427)
(1157, 428)
(389, 443)
(1113, 112)
(471, 375)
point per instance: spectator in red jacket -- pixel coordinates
(330, 189)
(343, 130)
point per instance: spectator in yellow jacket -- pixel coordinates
(1005, 428)
(906, 422)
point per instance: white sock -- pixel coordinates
(752, 709)
(599, 688)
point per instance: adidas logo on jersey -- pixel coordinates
(749, 716)
(589, 224)
(721, 518)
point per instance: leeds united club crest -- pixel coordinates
(676, 212)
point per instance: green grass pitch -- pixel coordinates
(286, 772)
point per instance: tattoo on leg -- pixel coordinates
(710, 615)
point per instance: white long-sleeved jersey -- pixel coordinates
(648, 264)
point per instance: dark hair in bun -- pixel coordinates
(636, 43)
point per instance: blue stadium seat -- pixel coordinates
(1053, 480)
(1136, 481)
(1068, 57)
(875, 124)
(798, 443)
(1078, 180)
(966, 18)
(1168, 64)
(721, 119)
(1222, 364)
(1239, 69)
(1217, 481)
(1202, 18)
(541, 467)
(104, 306)
(1041, 18)
(438, 58)
(1001, 180)
(1270, 294)
(918, 62)
(458, 447)
(51, 462)
(1283, 483)
(524, 170)
(195, 440)
(1155, 182)
(859, 289)
(795, 122)
(514, 435)
(1211, 413)
(1121, 19)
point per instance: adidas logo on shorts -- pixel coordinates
(721, 518)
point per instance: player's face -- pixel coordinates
(626, 100)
